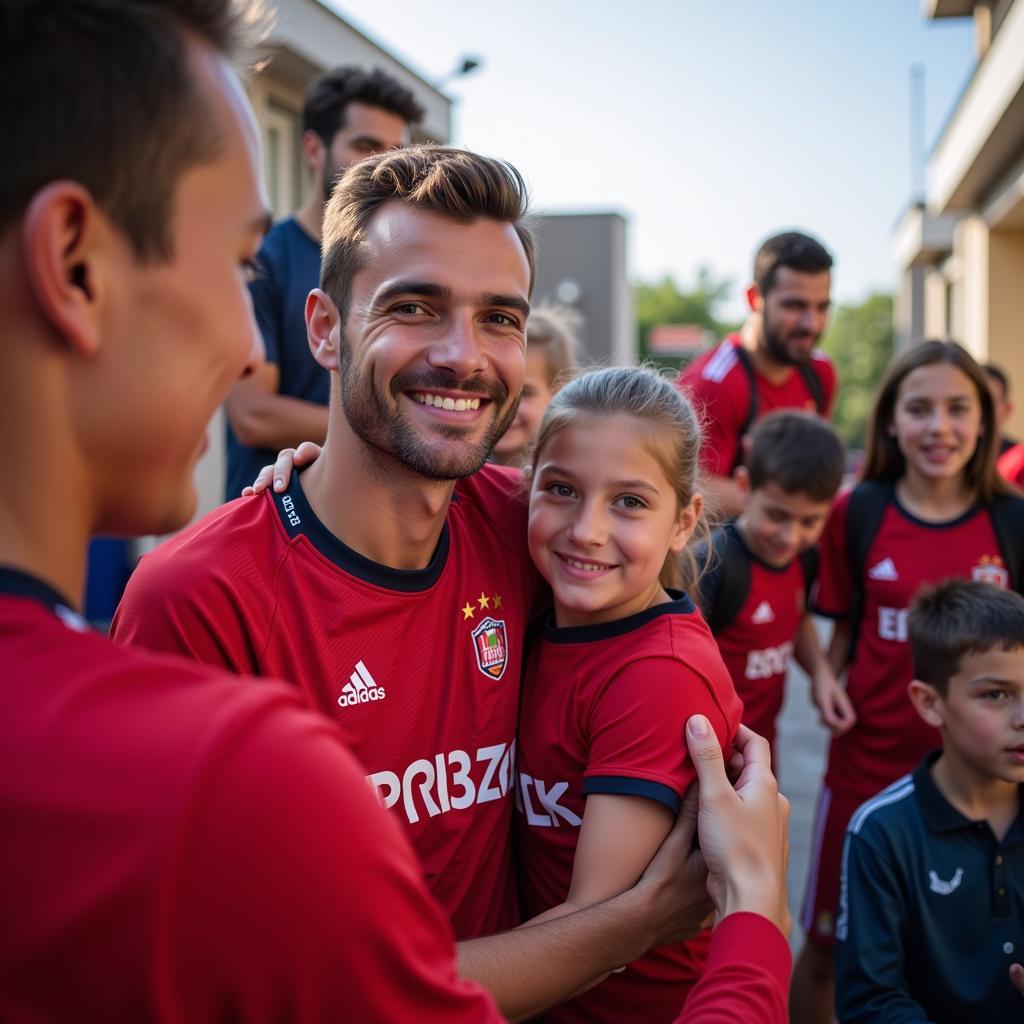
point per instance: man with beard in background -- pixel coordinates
(770, 363)
(348, 114)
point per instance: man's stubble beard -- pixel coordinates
(776, 349)
(384, 429)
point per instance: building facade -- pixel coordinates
(962, 249)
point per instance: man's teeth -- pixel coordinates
(588, 566)
(451, 404)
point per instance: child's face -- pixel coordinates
(937, 421)
(534, 400)
(982, 715)
(778, 525)
(603, 516)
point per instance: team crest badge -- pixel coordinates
(490, 644)
(991, 570)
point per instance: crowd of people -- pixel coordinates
(531, 622)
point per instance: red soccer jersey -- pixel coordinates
(420, 668)
(178, 846)
(720, 389)
(757, 646)
(890, 737)
(1011, 464)
(604, 709)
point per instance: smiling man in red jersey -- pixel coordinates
(391, 581)
(771, 363)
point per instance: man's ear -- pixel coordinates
(63, 235)
(741, 477)
(927, 702)
(754, 298)
(323, 329)
(314, 151)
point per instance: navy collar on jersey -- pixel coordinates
(943, 524)
(299, 520)
(15, 583)
(679, 605)
(941, 816)
(733, 526)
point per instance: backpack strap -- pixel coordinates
(809, 562)
(811, 380)
(868, 502)
(1007, 514)
(753, 401)
(724, 587)
(814, 385)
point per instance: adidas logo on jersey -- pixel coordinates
(884, 570)
(762, 614)
(361, 688)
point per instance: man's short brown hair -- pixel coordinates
(451, 182)
(957, 618)
(100, 92)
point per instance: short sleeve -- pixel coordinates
(295, 897)
(720, 424)
(267, 303)
(833, 593)
(637, 741)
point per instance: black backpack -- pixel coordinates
(868, 502)
(725, 585)
(811, 379)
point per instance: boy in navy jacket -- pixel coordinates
(931, 916)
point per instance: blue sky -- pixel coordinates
(708, 123)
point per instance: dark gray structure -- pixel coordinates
(581, 262)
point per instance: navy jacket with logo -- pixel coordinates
(931, 911)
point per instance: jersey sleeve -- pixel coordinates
(171, 607)
(721, 422)
(832, 596)
(295, 897)
(637, 744)
(871, 981)
(746, 977)
(267, 303)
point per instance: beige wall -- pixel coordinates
(1006, 313)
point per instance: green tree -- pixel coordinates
(666, 303)
(860, 342)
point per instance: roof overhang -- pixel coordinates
(985, 133)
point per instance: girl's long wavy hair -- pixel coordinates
(883, 458)
(668, 430)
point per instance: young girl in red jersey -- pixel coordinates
(621, 664)
(930, 506)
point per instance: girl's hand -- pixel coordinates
(833, 703)
(281, 471)
(1017, 977)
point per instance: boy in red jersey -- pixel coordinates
(178, 846)
(754, 595)
(772, 363)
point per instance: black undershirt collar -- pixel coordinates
(299, 519)
(16, 583)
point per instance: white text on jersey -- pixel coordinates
(436, 780)
(763, 664)
(547, 796)
(892, 624)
